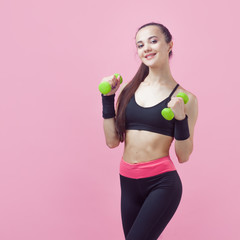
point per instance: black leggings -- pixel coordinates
(148, 204)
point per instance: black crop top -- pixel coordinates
(149, 118)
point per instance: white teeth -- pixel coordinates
(150, 56)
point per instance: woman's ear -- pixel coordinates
(170, 46)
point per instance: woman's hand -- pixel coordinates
(177, 106)
(114, 82)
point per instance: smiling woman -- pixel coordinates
(154, 42)
(151, 188)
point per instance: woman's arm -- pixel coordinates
(184, 148)
(110, 132)
(109, 124)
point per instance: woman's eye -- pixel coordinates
(154, 41)
(140, 46)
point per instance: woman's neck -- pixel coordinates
(159, 77)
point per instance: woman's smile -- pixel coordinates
(150, 56)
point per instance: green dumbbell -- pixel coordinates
(167, 113)
(105, 87)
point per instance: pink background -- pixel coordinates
(58, 179)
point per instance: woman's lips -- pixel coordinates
(150, 56)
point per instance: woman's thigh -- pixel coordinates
(131, 202)
(155, 201)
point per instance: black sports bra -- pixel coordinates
(149, 118)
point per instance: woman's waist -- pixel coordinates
(138, 154)
(146, 169)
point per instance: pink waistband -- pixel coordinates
(146, 169)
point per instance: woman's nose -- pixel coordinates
(147, 48)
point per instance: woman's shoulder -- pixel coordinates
(192, 105)
(192, 97)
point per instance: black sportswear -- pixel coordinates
(149, 118)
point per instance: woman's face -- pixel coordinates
(151, 46)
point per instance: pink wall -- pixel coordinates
(58, 180)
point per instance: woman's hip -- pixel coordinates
(146, 169)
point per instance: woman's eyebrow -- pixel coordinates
(148, 39)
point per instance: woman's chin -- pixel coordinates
(151, 65)
(154, 64)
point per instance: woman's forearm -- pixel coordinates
(111, 136)
(183, 149)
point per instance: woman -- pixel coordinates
(151, 188)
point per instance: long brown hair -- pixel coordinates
(132, 86)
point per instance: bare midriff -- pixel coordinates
(144, 146)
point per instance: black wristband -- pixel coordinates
(181, 130)
(108, 110)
